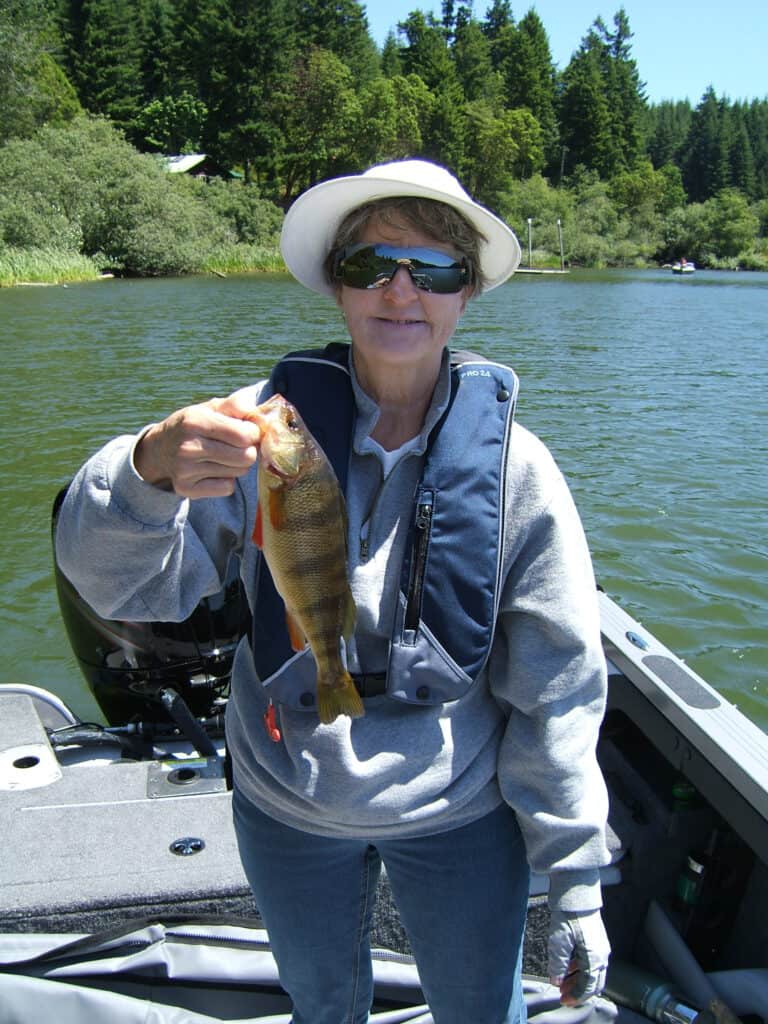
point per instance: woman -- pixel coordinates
(476, 648)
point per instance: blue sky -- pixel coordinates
(680, 48)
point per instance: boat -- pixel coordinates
(683, 266)
(122, 897)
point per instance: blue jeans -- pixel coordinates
(462, 898)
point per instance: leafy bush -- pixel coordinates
(86, 190)
(252, 219)
(718, 233)
(173, 124)
(33, 222)
(535, 198)
(636, 218)
(731, 224)
(158, 231)
(755, 258)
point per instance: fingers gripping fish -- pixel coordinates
(301, 528)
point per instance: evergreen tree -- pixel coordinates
(444, 135)
(320, 119)
(427, 55)
(538, 92)
(108, 74)
(33, 88)
(625, 94)
(756, 122)
(472, 59)
(341, 27)
(156, 33)
(585, 116)
(724, 146)
(499, 29)
(498, 17)
(71, 25)
(449, 19)
(603, 95)
(199, 47)
(667, 126)
(426, 51)
(452, 89)
(391, 60)
(705, 162)
(741, 158)
(235, 56)
(522, 58)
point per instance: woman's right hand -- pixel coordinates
(199, 451)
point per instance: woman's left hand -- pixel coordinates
(578, 955)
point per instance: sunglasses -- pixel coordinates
(367, 265)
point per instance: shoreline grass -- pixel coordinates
(19, 267)
(242, 258)
(45, 266)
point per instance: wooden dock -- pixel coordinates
(534, 270)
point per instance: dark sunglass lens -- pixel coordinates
(373, 266)
(441, 280)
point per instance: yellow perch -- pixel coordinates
(301, 527)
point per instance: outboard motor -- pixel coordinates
(127, 665)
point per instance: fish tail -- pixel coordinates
(338, 698)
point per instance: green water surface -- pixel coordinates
(650, 390)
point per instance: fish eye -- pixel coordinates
(291, 423)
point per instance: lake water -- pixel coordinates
(650, 390)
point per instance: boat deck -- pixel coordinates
(93, 844)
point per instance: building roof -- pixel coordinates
(185, 163)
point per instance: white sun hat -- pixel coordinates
(311, 223)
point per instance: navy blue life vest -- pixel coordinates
(450, 578)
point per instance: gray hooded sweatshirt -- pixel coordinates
(526, 731)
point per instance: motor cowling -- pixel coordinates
(127, 664)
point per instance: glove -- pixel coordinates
(578, 955)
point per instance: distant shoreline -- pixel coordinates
(521, 271)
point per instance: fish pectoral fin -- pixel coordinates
(338, 697)
(258, 529)
(295, 632)
(277, 507)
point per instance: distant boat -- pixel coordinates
(684, 267)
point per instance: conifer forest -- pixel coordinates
(280, 94)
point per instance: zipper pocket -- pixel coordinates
(422, 529)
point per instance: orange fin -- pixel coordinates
(277, 507)
(340, 699)
(258, 529)
(295, 632)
